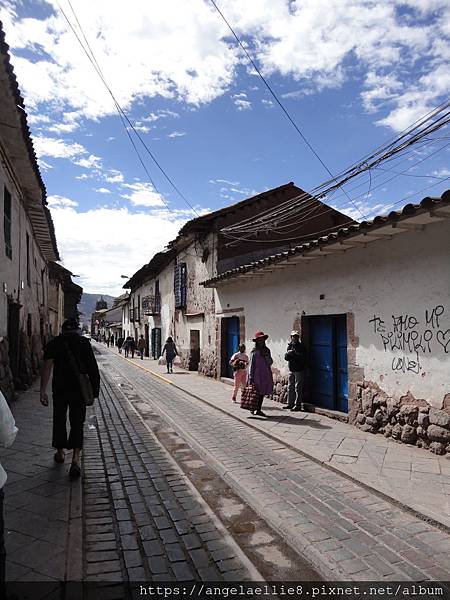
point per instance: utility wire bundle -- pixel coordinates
(284, 218)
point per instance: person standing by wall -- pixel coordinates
(120, 344)
(171, 351)
(141, 346)
(8, 432)
(112, 340)
(239, 361)
(296, 358)
(260, 373)
(60, 354)
(131, 346)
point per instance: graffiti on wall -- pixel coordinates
(414, 336)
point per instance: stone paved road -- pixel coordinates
(347, 531)
(143, 521)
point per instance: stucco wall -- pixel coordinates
(31, 292)
(398, 290)
(199, 300)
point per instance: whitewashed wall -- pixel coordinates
(402, 283)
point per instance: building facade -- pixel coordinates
(372, 304)
(27, 241)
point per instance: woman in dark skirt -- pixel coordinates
(260, 373)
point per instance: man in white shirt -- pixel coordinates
(8, 432)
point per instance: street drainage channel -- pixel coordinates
(264, 547)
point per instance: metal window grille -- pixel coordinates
(179, 285)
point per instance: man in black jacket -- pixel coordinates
(59, 356)
(296, 357)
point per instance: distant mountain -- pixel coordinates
(87, 306)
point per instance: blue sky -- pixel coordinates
(352, 73)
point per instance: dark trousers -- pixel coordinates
(260, 401)
(2, 548)
(77, 415)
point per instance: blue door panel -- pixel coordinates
(328, 362)
(232, 336)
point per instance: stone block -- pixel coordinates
(408, 435)
(423, 420)
(387, 430)
(436, 433)
(437, 448)
(360, 419)
(439, 417)
(397, 431)
(366, 402)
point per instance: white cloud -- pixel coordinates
(175, 134)
(60, 201)
(91, 161)
(444, 172)
(83, 250)
(57, 148)
(161, 114)
(227, 181)
(113, 176)
(142, 194)
(241, 101)
(102, 190)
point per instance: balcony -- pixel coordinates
(151, 305)
(135, 315)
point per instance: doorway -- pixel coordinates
(156, 342)
(13, 337)
(147, 340)
(230, 343)
(328, 361)
(194, 349)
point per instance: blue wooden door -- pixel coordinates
(341, 363)
(328, 362)
(232, 341)
(321, 361)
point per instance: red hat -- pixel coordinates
(259, 335)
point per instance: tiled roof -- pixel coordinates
(345, 235)
(39, 215)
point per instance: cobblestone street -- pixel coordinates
(175, 490)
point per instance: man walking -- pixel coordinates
(141, 347)
(61, 355)
(296, 358)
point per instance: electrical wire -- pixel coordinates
(372, 161)
(91, 57)
(275, 97)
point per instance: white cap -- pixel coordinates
(295, 333)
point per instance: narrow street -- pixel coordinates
(174, 489)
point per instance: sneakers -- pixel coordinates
(260, 413)
(296, 409)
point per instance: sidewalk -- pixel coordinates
(411, 476)
(42, 506)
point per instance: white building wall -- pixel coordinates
(199, 300)
(404, 282)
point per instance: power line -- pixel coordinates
(275, 97)
(91, 57)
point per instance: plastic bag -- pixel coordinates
(177, 361)
(161, 360)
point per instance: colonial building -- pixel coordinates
(166, 296)
(372, 303)
(63, 297)
(27, 240)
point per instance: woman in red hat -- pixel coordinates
(260, 373)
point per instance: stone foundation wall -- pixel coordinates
(6, 378)
(407, 420)
(208, 364)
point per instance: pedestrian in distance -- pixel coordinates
(125, 347)
(171, 351)
(296, 358)
(239, 362)
(68, 355)
(141, 347)
(108, 340)
(120, 344)
(131, 346)
(111, 339)
(8, 432)
(260, 373)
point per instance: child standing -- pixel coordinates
(239, 362)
